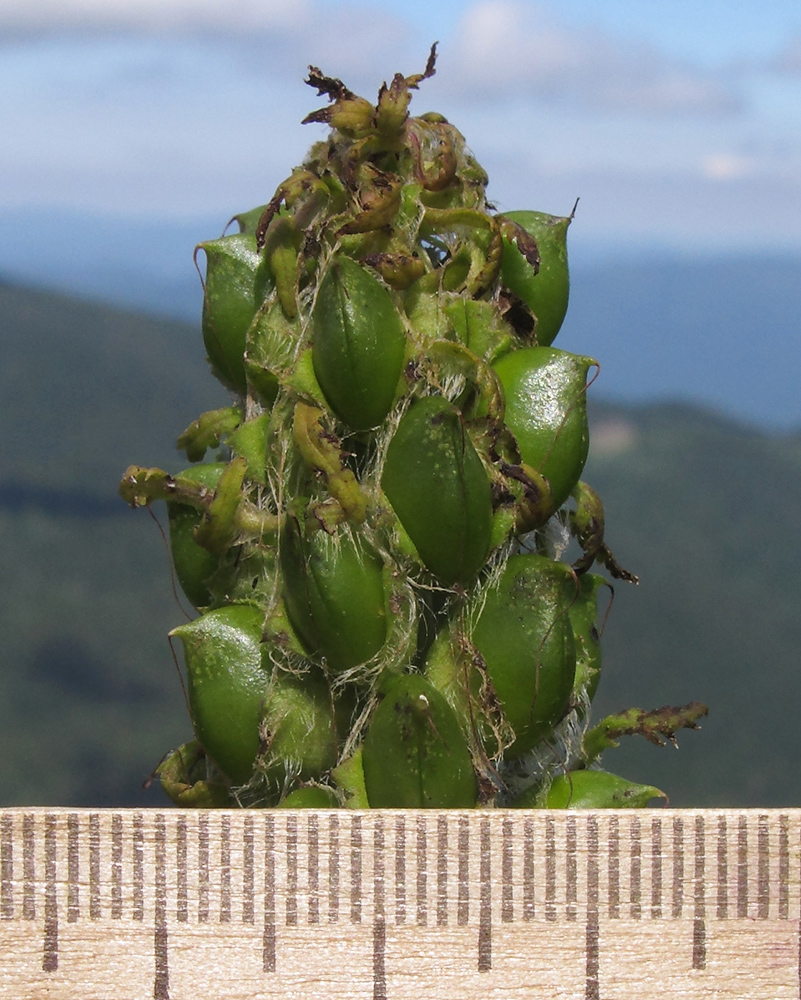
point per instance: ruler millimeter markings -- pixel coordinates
(392, 904)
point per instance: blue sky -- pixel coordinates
(677, 122)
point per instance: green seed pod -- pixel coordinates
(298, 727)
(334, 595)
(525, 638)
(545, 291)
(237, 282)
(358, 344)
(439, 489)
(227, 679)
(584, 619)
(598, 790)
(415, 756)
(311, 797)
(546, 410)
(193, 564)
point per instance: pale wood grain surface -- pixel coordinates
(390, 905)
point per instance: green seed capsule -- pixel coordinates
(193, 564)
(546, 410)
(298, 727)
(227, 679)
(237, 282)
(358, 344)
(334, 595)
(313, 797)
(525, 638)
(546, 290)
(598, 790)
(439, 489)
(415, 756)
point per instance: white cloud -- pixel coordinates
(54, 16)
(789, 59)
(508, 45)
(726, 166)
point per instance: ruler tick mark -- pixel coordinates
(379, 895)
(225, 870)
(485, 899)
(635, 897)
(699, 915)
(94, 866)
(571, 871)
(379, 922)
(268, 939)
(313, 868)
(550, 869)
(742, 867)
(50, 951)
(592, 937)
(248, 872)
(182, 901)
(356, 869)
(723, 870)
(116, 866)
(442, 871)
(763, 869)
(28, 868)
(138, 867)
(73, 868)
(291, 871)
(203, 869)
(507, 872)
(333, 869)
(678, 867)
(7, 868)
(528, 869)
(784, 868)
(614, 868)
(463, 851)
(379, 959)
(400, 870)
(161, 984)
(422, 872)
(656, 868)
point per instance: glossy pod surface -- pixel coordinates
(334, 595)
(192, 563)
(237, 280)
(545, 292)
(440, 490)
(590, 789)
(415, 756)
(226, 683)
(546, 410)
(358, 344)
(524, 636)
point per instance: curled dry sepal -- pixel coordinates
(375, 547)
(658, 726)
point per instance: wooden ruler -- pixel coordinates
(399, 905)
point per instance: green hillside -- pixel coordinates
(702, 509)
